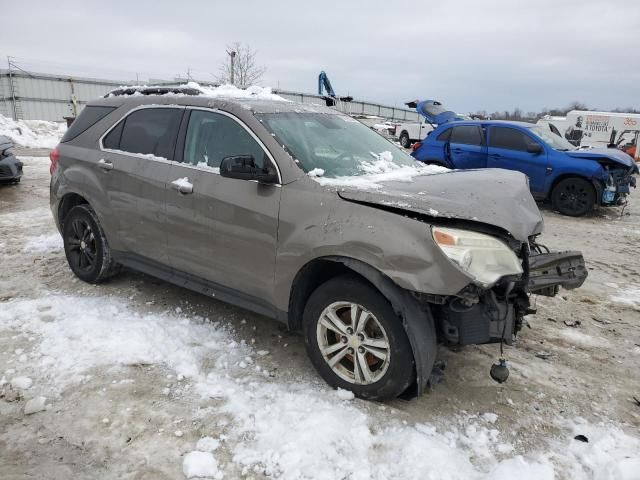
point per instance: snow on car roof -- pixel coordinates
(254, 98)
(193, 88)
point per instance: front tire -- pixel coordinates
(573, 197)
(86, 246)
(356, 341)
(405, 141)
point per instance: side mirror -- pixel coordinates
(243, 167)
(535, 148)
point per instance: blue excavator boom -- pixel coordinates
(330, 98)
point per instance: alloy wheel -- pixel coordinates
(82, 245)
(353, 343)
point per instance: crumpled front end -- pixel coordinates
(480, 315)
(618, 185)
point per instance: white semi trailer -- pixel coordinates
(598, 129)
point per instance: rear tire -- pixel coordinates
(573, 197)
(86, 246)
(404, 139)
(373, 359)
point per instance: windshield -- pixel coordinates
(551, 139)
(333, 145)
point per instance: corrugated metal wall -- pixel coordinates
(40, 96)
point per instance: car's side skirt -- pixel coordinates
(200, 285)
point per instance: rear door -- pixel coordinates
(508, 148)
(136, 158)
(224, 230)
(466, 147)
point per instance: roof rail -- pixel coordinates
(153, 91)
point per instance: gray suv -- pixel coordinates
(303, 214)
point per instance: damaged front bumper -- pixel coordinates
(550, 271)
(618, 186)
(497, 314)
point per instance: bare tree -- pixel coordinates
(246, 71)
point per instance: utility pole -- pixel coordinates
(232, 56)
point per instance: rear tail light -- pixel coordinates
(54, 155)
(416, 146)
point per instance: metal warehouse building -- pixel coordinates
(41, 96)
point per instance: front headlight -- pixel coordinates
(482, 257)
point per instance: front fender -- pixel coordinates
(569, 167)
(315, 223)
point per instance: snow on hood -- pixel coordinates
(32, 133)
(613, 154)
(379, 170)
(490, 196)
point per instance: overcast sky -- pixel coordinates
(471, 55)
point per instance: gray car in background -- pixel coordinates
(303, 214)
(10, 166)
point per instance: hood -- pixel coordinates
(613, 154)
(491, 196)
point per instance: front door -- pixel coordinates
(136, 158)
(219, 229)
(466, 148)
(510, 148)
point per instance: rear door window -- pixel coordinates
(509, 139)
(213, 136)
(147, 131)
(466, 135)
(87, 118)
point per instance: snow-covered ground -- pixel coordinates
(141, 379)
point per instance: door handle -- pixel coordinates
(182, 185)
(103, 164)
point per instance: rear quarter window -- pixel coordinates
(87, 118)
(444, 136)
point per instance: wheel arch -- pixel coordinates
(68, 201)
(416, 317)
(597, 186)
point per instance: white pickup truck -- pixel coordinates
(409, 133)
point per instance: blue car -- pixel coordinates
(573, 180)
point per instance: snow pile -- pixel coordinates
(32, 133)
(381, 169)
(628, 295)
(609, 454)
(182, 183)
(316, 172)
(79, 333)
(287, 430)
(383, 127)
(44, 243)
(200, 464)
(35, 405)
